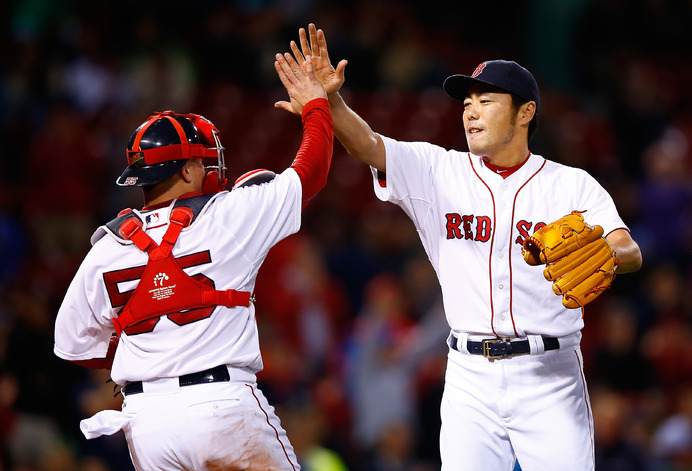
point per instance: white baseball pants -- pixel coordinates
(532, 408)
(225, 425)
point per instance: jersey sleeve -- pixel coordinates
(408, 181)
(83, 327)
(598, 205)
(260, 216)
(314, 157)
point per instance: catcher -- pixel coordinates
(164, 298)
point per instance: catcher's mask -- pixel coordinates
(162, 144)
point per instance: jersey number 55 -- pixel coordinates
(118, 299)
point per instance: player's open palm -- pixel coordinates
(300, 82)
(332, 78)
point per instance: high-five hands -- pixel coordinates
(332, 79)
(300, 82)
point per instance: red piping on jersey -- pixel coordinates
(492, 243)
(276, 432)
(589, 412)
(511, 243)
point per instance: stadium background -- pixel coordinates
(349, 311)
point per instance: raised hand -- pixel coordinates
(332, 78)
(300, 82)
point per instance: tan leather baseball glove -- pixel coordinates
(579, 261)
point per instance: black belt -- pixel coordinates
(504, 348)
(214, 375)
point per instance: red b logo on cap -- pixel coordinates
(478, 70)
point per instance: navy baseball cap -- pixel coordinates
(505, 75)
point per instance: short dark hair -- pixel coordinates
(517, 101)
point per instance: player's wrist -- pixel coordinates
(335, 99)
(319, 103)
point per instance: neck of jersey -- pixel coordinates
(163, 204)
(505, 172)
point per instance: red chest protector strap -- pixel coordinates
(165, 287)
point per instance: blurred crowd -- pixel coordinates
(349, 309)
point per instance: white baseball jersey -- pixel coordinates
(190, 395)
(472, 223)
(226, 244)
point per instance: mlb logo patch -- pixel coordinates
(152, 218)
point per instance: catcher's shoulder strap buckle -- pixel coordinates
(497, 348)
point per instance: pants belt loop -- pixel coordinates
(462, 338)
(458, 342)
(536, 344)
(451, 339)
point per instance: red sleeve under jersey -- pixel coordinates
(314, 157)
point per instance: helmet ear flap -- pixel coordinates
(208, 133)
(213, 182)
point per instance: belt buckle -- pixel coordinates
(487, 352)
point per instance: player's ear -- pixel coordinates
(186, 172)
(527, 111)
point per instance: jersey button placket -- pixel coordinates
(502, 313)
(500, 270)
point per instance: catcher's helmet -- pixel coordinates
(162, 144)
